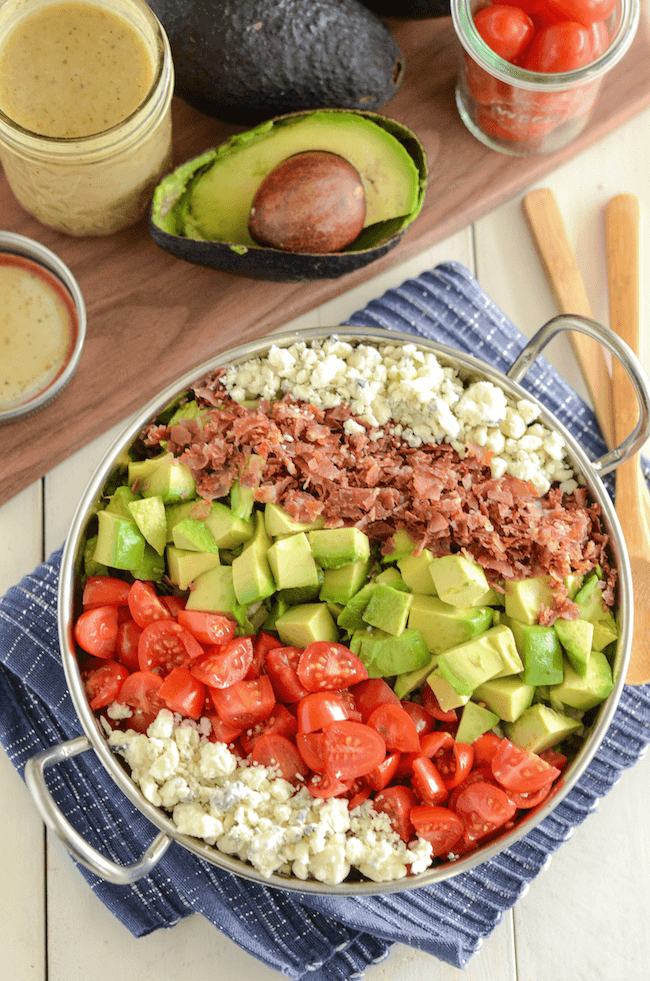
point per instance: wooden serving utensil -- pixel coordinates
(622, 240)
(558, 259)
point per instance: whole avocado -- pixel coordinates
(409, 9)
(248, 60)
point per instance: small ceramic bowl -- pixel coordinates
(42, 324)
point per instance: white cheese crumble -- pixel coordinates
(426, 401)
(250, 812)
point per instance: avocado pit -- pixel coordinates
(312, 202)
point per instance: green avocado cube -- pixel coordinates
(334, 547)
(192, 534)
(278, 522)
(118, 503)
(416, 572)
(410, 681)
(141, 470)
(402, 545)
(386, 655)
(576, 638)
(185, 565)
(251, 573)
(589, 599)
(388, 609)
(227, 530)
(470, 664)
(305, 623)
(214, 591)
(540, 652)
(149, 515)
(474, 721)
(585, 692)
(524, 598)
(120, 543)
(152, 568)
(507, 697)
(340, 585)
(444, 626)
(447, 695)
(171, 480)
(292, 562)
(459, 581)
(605, 633)
(539, 728)
(175, 513)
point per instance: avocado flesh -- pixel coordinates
(221, 198)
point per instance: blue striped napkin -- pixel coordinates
(322, 938)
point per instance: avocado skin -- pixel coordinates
(409, 9)
(242, 62)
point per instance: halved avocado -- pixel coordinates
(200, 211)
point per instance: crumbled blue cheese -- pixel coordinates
(426, 401)
(252, 813)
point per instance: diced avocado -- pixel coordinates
(227, 530)
(508, 697)
(504, 641)
(214, 592)
(119, 501)
(292, 562)
(251, 573)
(276, 609)
(301, 625)
(350, 618)
(340, 585)
(540, 727)
(141, 470)
(474, 721)
(171, 480)
(90, 566)
(388, 609)
(192, 534)
(415, 570)
(448, 697)
(391, 577)
(190, 410)
(385, 655)
(410, 681)
(525, 598)
(403, 545)
(576, 637)
(334, 547)
(588, 691)
(605, 633)
(444, 626)
(149, 515)
(589, 599)
(120, 543)
(242, 500)
(573, 583)
(152, 568)
(175, 513)
(185, 565)
(278, 522)
(459, 581)
(470, 664)
(540, 652)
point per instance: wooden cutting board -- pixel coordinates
(151, 316)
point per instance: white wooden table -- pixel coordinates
(587, 917)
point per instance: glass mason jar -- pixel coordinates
(522, 112)
(100, 183)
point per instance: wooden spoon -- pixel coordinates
(622, 240)
(549, 233)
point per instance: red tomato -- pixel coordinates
(438, 825)
(310, 747)
(145, 604)
(319, 709)
(436, 743)
(262, 644)
(506, 30)
(356, 795)
(559, 48)
(485, 747)
(517, 769)
(105, 591)
(554, 758)
(140, 692)
(246, 702)
(504, 123)
(397, 803)
(174, 604)
(324, 785)
(277, 751)
(351, 749)
(427, 782)
(586, 12)
(280, 721)
(370, 693)
(432, 705)
(455, 765)
(208, 628)
(325, 666)
(483, 773)
(183, 693)
(96, 631)
(396, 727)
(539, 12)
(382, 775)
(599, 37)
(281, 664)
(424, 721)
(222, 732)
(224, 664)
(164, 645)
(483, 808)
(128, 638)
(526, 801)
(103, 680)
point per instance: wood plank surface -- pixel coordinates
(152, 316)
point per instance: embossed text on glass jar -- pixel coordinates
(86, 183)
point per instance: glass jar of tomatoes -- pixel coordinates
(531, 70)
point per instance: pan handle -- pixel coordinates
(633, 367)
(105, 868)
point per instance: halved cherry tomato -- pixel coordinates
(505, 29)
(517, 769)
(584, 11)
(222, 732)
(140, 692)
(262, 644)
(427, 782)
(96, 631)
(437, 825)
(554, 758)
(105, 591)
(281, 664)
(310, 747)
(424, 721)
(145, 604)
(208, 628)
(103, 680)
(224, 664)
(526, 801)
(277, 751)
(280, 722)
(455, 765)
(319, 709)
(483, 808)
(246, 702)
(329, 666)
(559, 48)
(351, 749)
(382, 775)
(357, 794)
(479, 773)
(183, 693)
(370, 693)
(396, 727)
(128, 638)
(397, 803)
(174, 604)
(324, 785)
(164, 645)
(432, 705)
(485, 747)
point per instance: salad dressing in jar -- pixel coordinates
(85, 110)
